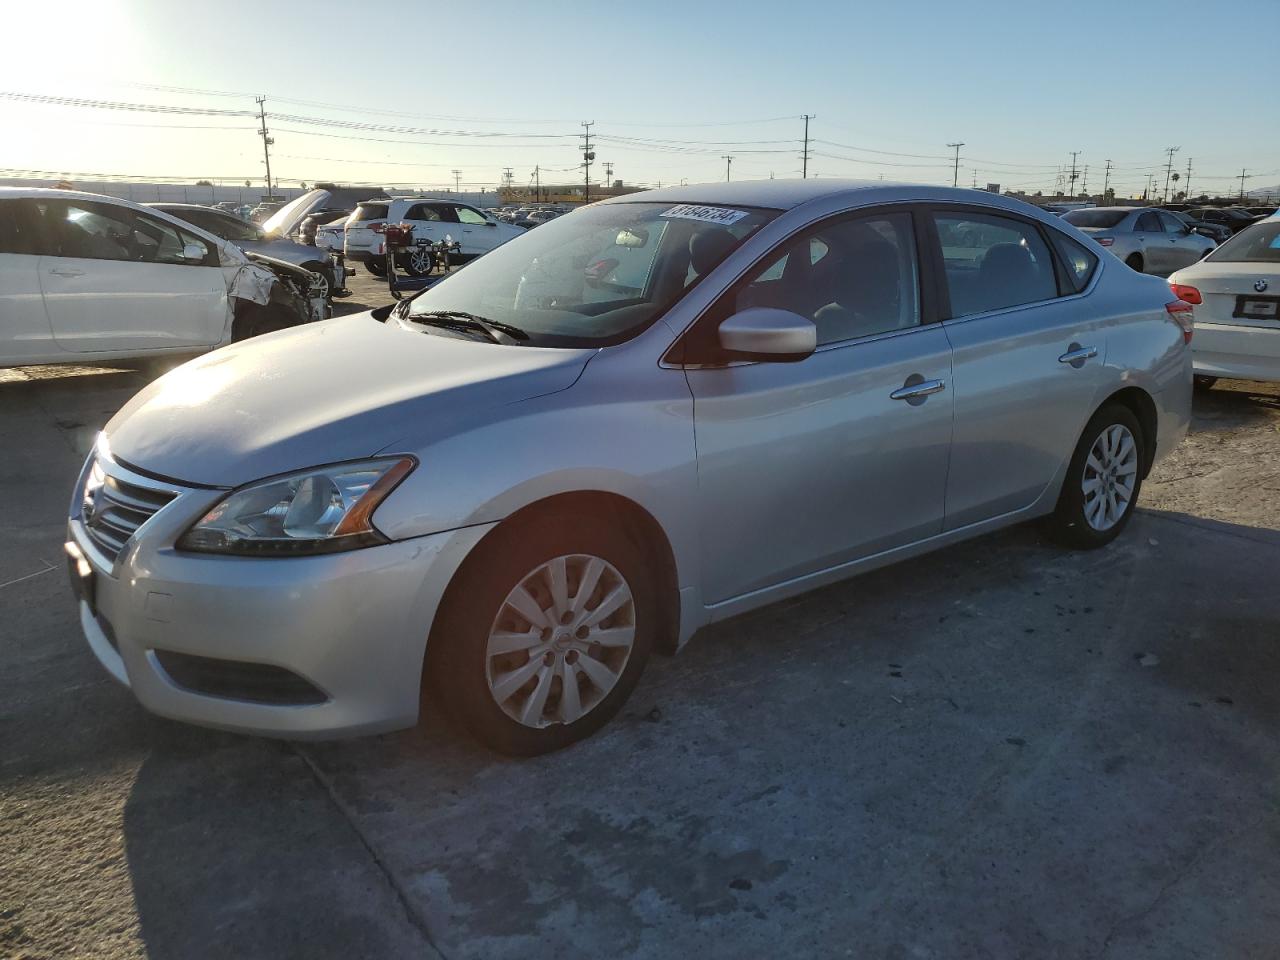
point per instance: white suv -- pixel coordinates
(432, 220)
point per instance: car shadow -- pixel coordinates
(885, 759)
(1230, 404)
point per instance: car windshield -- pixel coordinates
(1258, 244)
(226, 227)
(1095, 218)
(597, 276)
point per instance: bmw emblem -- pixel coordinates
(1260, 285)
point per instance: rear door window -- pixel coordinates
(993, 262)
(1079, 262)
(1148, 223)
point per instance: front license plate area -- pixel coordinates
(82, 575)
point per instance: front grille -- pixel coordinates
(239, 680)
(114, 508)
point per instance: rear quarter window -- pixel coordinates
(1079, 262)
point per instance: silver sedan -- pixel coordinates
(1147, 239)
(659, 412)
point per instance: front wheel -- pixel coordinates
(544, 634)
(1134, 260)
(1102, 483)
(376, 267)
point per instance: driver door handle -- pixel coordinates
(1077, 355)
(924, 388)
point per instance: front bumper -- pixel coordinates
(1238, 352)
(353, 625)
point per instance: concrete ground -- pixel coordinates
(1000, 750)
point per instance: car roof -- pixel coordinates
(788, 194)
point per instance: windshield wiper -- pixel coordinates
(468, 321)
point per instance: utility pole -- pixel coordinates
(728, 162)
(506, 177)
(1084, 181)
(1243, 171)
(1106, 181)
(1168, 169)
(1074, 176)
(537, 184)
(587, 157)
(804, 157)
(266, 140)
(955, 173)
(1186, 184)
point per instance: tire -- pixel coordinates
(376, 267)
(1203, 383)
(257, 320)
(468, 673)
(1076, 521)
(326, 272)
(1134, 261)
(418, 262)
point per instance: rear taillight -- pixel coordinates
(1105, 241)
(1184, 292)
(378, 227)
(1183, 314)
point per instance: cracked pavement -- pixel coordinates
(999, 750)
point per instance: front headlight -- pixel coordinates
(321, 510)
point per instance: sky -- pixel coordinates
(406, 93)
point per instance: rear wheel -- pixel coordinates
(1134, 260)
(1102, 483)
(544, 634)
(377, 267)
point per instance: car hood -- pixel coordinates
(287, 250)
(283, 221)
(340, 389)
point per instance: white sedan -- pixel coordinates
(1236, 293)
(87, 277)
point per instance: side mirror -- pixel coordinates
(194, 251)
(768, 334)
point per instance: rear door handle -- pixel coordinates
(67, 272)
(918, 391)
(1076, 355)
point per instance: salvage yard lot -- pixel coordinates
(1002, 749)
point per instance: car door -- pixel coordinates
(1153, 243)
(1027, 357)
(24, 326)
(117, 281)
(479, 233)
(433, 222)
(1184, 247)
(805, 466)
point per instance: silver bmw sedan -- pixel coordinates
(646, 416)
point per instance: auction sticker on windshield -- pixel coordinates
(691, 211)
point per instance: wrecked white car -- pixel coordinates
(90, 278)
